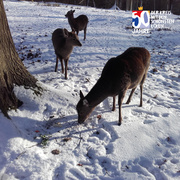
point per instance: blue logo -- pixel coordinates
(141, 19)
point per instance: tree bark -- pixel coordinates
(12, 70)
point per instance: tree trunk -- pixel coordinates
(12, 70)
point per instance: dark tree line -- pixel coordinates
(150, 4)
(173, 5)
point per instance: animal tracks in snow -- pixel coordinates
(157, 168)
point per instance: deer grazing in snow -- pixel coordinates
(64, 42)
(79, 23)
(121, 73)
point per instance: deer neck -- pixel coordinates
(71, 19)
(97, 94)
(66, 49)
(68, 46)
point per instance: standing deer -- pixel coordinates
(64, 42)
(79, 23)
(121, 73)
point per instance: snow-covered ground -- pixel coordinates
(44, 141)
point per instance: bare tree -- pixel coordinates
(12, 70)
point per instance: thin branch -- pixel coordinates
(79, 141)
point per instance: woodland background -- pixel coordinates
(173, 5)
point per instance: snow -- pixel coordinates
(145, 146)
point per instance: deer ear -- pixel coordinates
(73, 11)
(85, 102)
(66, 32)
(81, 95)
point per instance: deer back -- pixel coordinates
(78, 23)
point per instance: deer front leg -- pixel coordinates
(66, 65)
(120, 100)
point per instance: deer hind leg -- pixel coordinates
(114, 103)
(85, 32)
(62, 65)
(130, 96)
(77, 32)
(141, 91)
(66, 65)
(141, 88)
(56, 64)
